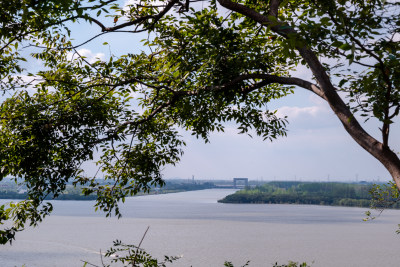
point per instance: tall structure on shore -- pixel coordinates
(245, 180)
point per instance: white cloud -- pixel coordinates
(315, 114)
(298, 112)
(396, 37)
(302, 72)
(88, 54)
(33, 80)
(317, 100)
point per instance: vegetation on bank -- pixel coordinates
(11, 190)
(312, 193)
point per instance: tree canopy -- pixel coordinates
(203, 63)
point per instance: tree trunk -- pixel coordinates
(391, 161)
(383, 153)
(328, 92)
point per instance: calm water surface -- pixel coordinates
(206, 233)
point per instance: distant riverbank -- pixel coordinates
(311, 193)
(11, 191)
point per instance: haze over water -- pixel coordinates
(207, 233)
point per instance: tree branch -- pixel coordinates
(273, 7)
(23, 34)
(138, 20)
(279, 27)
(266, 79)
(270, 79)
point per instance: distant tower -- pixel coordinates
(192, 178)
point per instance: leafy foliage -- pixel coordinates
(131, 255)
(336, 194)
(383, 196)
(292, 264)
(229, 264)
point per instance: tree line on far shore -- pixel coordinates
(311, 193)
(10, 190)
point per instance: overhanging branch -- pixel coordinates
(264, 80)
(138, 20)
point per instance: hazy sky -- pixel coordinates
(316, 148)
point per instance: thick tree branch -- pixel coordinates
(278, 26)
(386, 127)
(138, 20)
(395, 113)
(273, 7)
(244, 10)
(270, 79)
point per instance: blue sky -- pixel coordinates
(316, 148)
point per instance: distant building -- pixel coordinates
(245, 180)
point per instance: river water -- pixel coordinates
(206, 233)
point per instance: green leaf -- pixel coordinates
(346, 47)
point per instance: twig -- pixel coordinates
(101, 258)
(138, 247)
(86, 262)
